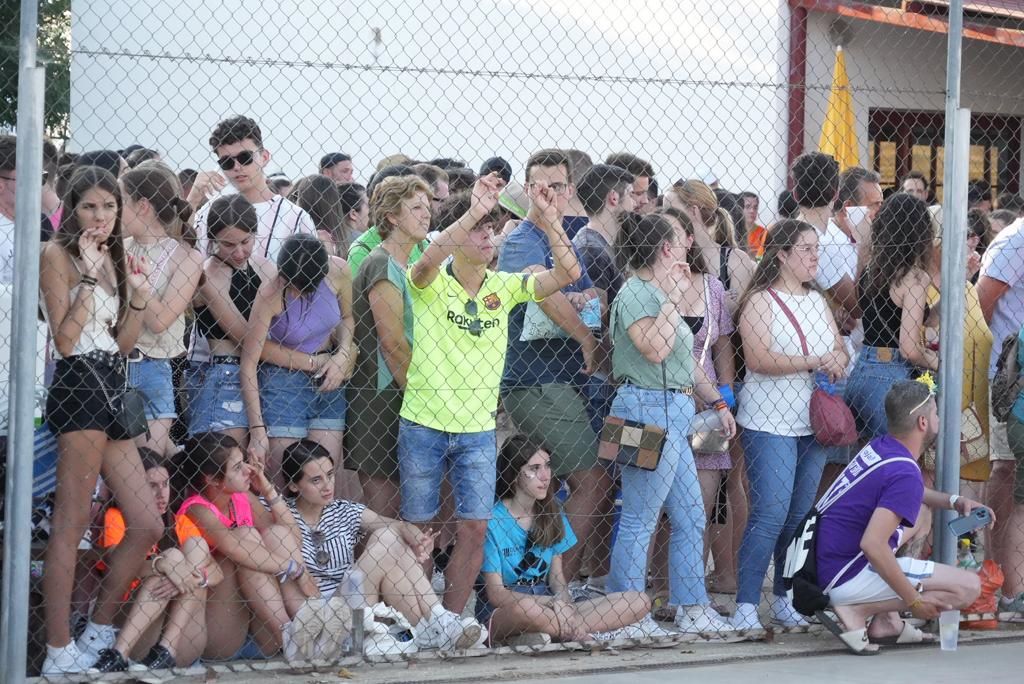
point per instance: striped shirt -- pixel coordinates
(340, 524)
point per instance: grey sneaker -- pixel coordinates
(446, 631)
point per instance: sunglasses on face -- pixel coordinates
(14, 180)
(321, 557)
(244, 158)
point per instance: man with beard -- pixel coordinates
(869, 512)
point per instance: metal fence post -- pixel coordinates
(18, 524)
(954, 275)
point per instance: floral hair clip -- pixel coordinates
(928, 380)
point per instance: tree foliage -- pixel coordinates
(54, 52)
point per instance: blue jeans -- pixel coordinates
(425, 454)
(869, 382)
(784, 473)
(674, 486)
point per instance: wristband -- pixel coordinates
(720, 405)
(253, 427)
(275, 500)
(206, 577)
(913, 604)
(284, 574)
(152, 564)
(136, 308)
(953, 498)
(88, 281)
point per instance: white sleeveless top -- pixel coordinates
(95, 334)
(171, 342)
(781, 404)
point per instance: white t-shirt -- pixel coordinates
(6, 250)
(278, 219)
(838, 257)
(781, 404)
(1004, 261)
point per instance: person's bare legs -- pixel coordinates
(1013, 552)
(78, 464)
(598, 549)
(999, 497)
(159, 439)
(710, 481)
(613, 611)
(464, 564)
(392, 575)
(123, 473)
(146, 610)
(227, 614)
(277, 447)
(381, 495)
(286, 541)
(184, 634)
(586, 490)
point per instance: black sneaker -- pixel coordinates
(158, 658)
(110, 660)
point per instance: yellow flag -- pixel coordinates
(838, 133)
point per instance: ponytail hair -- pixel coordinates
(158, 185)
(695, 257)
(548, 528)
(640, 238)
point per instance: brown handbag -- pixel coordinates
(831, 419)
(632, 443)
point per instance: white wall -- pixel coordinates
(725, 109)
(898, 68)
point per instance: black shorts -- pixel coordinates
(76, 400)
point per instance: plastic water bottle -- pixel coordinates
(965, 557)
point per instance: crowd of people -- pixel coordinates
(394, 396)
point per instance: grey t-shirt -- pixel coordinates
(599, 261)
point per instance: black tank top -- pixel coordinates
(245, 283)
(882, 319)
(695, 323)
(723, 266)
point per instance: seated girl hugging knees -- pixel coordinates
(166, 608)
(267, 602)
(523, 589)
(389, 569)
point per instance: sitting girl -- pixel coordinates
(524, 590)
(267, 601)
(390, 566)
(168, 609)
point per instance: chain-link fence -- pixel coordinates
(373, 331)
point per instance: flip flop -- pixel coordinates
(856, 640)
(909, 635)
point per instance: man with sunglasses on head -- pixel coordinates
(461, 317)
(237, 144)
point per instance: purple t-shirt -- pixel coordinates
(896, 486)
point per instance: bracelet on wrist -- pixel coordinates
(720, 405)
(131, 305)
(88, 281)
(205, 582)
(253, 427)
(916, 602)
(152, 564)
(275, 500)
(953, 498)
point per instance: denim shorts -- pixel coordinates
(484, 610)
(215, 401)
(426, 454)
(293, 405)
(154, 378)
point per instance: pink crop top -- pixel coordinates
(240, 507)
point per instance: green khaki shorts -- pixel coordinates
(555, 415)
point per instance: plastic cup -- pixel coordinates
(949, 629)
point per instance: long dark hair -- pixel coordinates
(82, 181)
(320, 197)
(901, 239)
(547, 528)
(640, 238)
(205, 456)
(295, 458)
(153, 459)
(695, 257)
(781, 238)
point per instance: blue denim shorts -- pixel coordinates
(426, 454)
(293, 405)
(215, 401)
(484, 610)
(154, 379)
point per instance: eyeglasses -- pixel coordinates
(475, 327)
(806, 249)
(245, 157)
(557, 188)
(15, 180)
(322, 558)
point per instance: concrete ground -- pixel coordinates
(791, 658)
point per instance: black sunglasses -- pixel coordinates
(46, 175)
(475, 327)
(321, 557)
(245, 157)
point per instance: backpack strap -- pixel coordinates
(831, 496)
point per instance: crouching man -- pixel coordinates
(867, 514)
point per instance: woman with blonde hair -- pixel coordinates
(714, 234)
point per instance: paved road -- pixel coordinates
(972, 664)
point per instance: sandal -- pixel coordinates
(909, 635)
(856, 640)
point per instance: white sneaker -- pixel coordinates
(337, 621)
(646, 628)
(472, 624)
(94, 639)
(437, 582)
(702, 620)
(783, 614)
(389, 644)
(65, 660)
(528, 640)
(299, 637)
(745, 618)
(446, 631)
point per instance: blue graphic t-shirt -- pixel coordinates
(505, 549)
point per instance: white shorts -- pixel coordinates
(867, 586)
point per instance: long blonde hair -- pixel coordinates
(699, 194)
